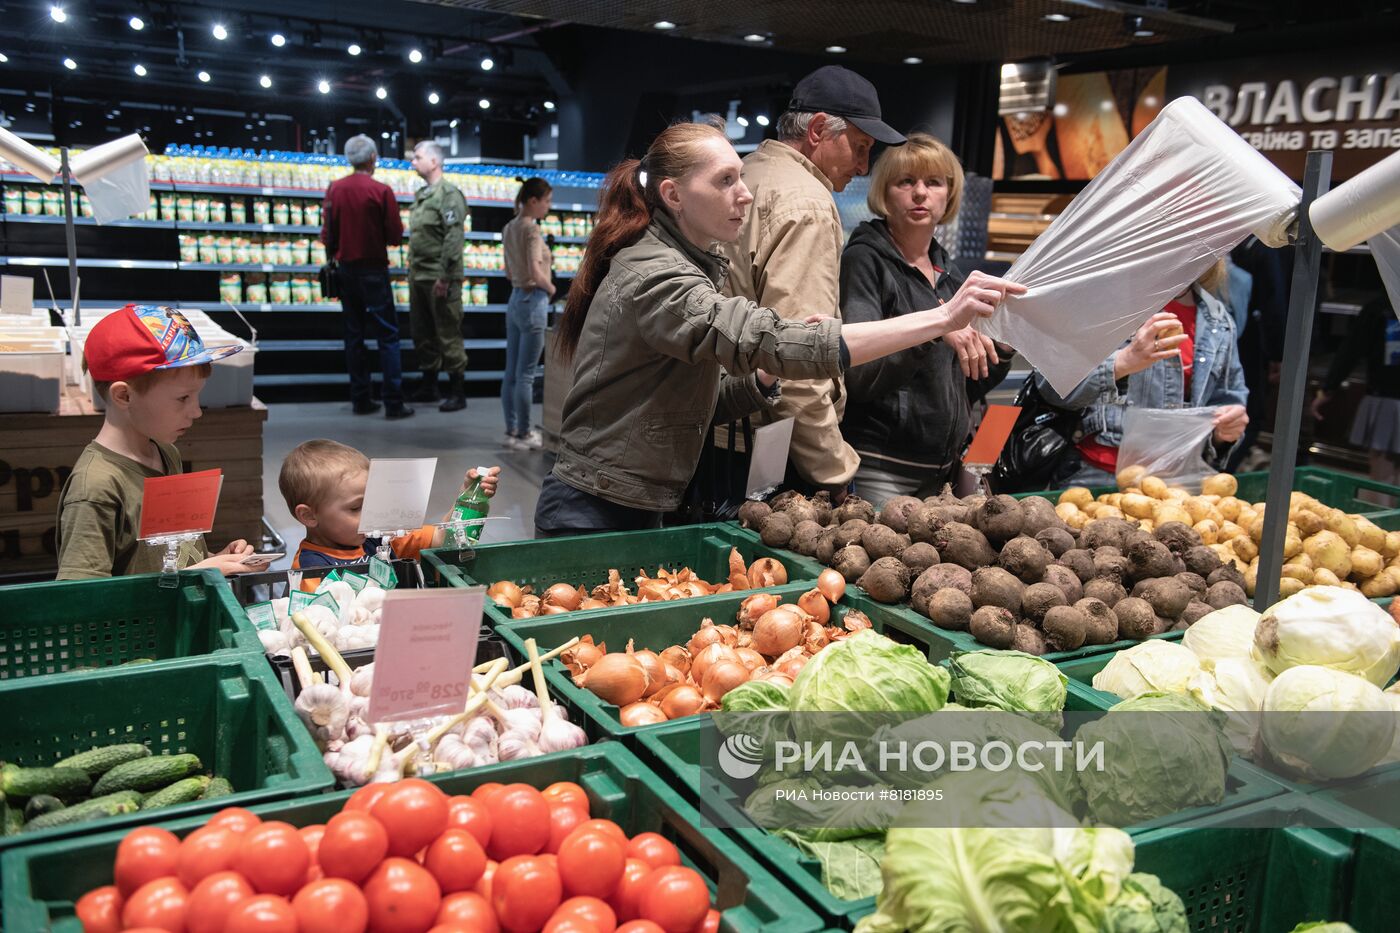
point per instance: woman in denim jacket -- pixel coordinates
(1149, 371)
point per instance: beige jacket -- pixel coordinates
(788, 258)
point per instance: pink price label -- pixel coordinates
(427, 647)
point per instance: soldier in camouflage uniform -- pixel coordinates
(435, 245)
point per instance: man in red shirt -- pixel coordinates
(361, 219)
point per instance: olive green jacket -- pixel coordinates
(436, 234)
(647, 371)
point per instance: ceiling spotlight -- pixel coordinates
(204, 77)
(3, 58)
(913, 60)
(58, 14)
(140, 70)
(277, 39)
(487, 63)
(136, 23)
(454, 123)
(383, 135)
(1056, 18)
(761, 119)
(484, 104)
(415, 55)
(220, 32)
(70, 64)
(433, 97)
(743, 121)
(1139, 28)
(265, 80)
(663, 24)
(549, 105)
(381, 92)
(836, 49)
(353, 48)
(755, 37)
(323, 86)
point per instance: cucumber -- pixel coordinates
(28, 782)
(182, 791)
(40, 804)
(110, 805)
(98, 761)
(146, 773)
(218, 787)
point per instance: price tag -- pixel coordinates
(328, 579)
(328, 601)
(267, 228)
(768, 459)
(264, 307)
(396, 493)
(267, 267)
(356, 581)
(183, 504)
(427, 646)
(269, 190)
(299, 600)
(991, 435)
(382, 573)
(263, 617)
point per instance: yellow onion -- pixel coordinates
(750, 658)
(712, 654)
(591, 603)
(773, 677)
(856, 620)
(728, 634)
(563, 595)
(767, 571)
(778, 630)
(753, 608)
(617, 678)
(722, 677)
(505, 593)
(656, 671)
(676, 657)
(653, 591)
(520, 612)
(706, 636)
(683, 701)
(832, 585)
(640, 714)
(792, 667)
(585, 654)
(814, 637)
(814, 604)
(552, 610)
(691, 589)
(673, 674)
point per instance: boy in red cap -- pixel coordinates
(148, 365)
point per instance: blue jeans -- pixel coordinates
(527, 312)
(366, 299)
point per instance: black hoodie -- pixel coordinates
(909, 412)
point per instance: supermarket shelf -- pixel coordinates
(312, 379)
(575, 240)
(247, 307)
(486, 235)
(338, 346)
(90, 263)
(86, 221)
(249, 228)
(1339, 307)
(255, 267)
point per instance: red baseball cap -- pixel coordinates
(139, 339)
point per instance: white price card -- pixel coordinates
(396, 494)
(768, 459)
(427, 646)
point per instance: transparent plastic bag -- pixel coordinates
(1385, 246)
(1181, 195)
(1168, 442)
(115, 179)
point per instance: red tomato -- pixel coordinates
(159, 903)
(413, 812)
(591, 863)
(470, 814)
(265, 913)
(456, 860)
(331, 905)
(525, 892)
(623, 900)
(640, 926)
(569, 924)
(352, 846)
(568, 793)
(402, 896)
(468, 909)
(213, 899)
(563, 819)
(519, 822)
(595, 911)
(312, 836)
(607, 827)
(274, 858)
(234, 818)
(486, 790)
(366, 796)
(711, 922)
(675, 898)
(454, 928)
(483, 886)
(205, 851)
(100, 910)
(144, 855)
(654, 849)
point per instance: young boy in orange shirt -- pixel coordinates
(323, 483)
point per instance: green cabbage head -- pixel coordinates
(1012, 681)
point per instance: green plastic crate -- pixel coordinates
(674, 750)
(586, 559)
(41, 883)
(49, 628)
(230, 711)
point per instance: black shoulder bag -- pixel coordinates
(721, 479)
(1040, 453)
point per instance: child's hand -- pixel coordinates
(488, 482)
(229, 564)
(240, 547)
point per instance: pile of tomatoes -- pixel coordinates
(406, 858)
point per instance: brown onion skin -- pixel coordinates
(778, 631)
(722, 677)
(505, 593)
(640, 714)
(832, 585)
(712, 654)
(656, 671)
(683, 701)
(613, 680)
(563, 595)
(814, 604)
(705, 636)
(750, 658)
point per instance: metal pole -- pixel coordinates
(71, 234)
(1293, 381)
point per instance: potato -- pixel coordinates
(1154, 486)
(1245, 548)
(1171, 513)
(1198, 508)
(1308, 523)
(1230, 507)
(1392, 544)
(1177, 494)
(1378, 587)
(1302, 560)
(1251, 578)
(1324, 577)
(1289, 586)
(1221, 484)
(1208, 530)
(1109, 511)
(1228, 531)
(1137, 505)
(1298, 572)
(1114, 499)
(1365, 563)
(1394, 574)
(1372, 537)
(1067, 511)
(1078, 496)
(1329, 551)
(1130, 476)
(1345, 526)
(1292, 545)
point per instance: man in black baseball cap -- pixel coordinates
(841, 92)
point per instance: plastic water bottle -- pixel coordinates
(471, 504)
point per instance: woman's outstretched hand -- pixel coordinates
(978, 298)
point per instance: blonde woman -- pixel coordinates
(909, 414)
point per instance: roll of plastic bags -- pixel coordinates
(1185, 192)
(27, 157)
(1359, 209)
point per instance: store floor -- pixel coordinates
(459, 440)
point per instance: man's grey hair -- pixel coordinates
(360, 150)
(432, 148)
(793, 125)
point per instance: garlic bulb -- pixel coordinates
(274, 643)
(363, 679)
(517, 697)
(371, 598)
(559, 734)
(324, 710)
(513, 745)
